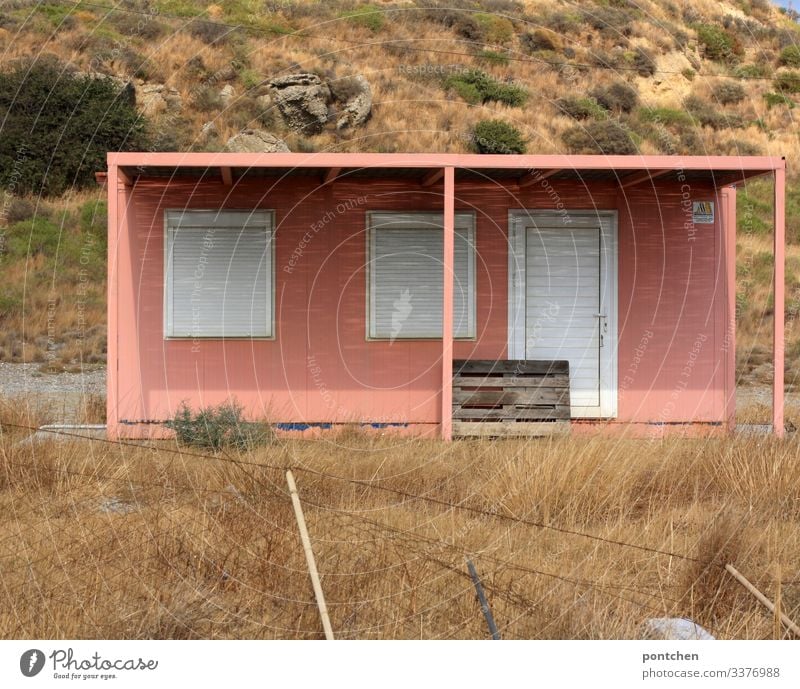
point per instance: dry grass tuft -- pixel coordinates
(106, 541)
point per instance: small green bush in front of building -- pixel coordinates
(218, 427)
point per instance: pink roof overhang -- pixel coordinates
(425, 168)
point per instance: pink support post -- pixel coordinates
(448, 261)
(112, 411)
(729, 239)
(778, 324)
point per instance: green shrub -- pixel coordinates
(728, 92)
(58, 126)
(495, 29)
(790, 56)
(250, 78)
(774, 99)
(581, 108)
(718, 44)
(218, 428)
(666, 116)
(475, 87)
(608, 137)
(368, 16)
(34, 236)
(496, 136)
(618, 97)
(787, 82)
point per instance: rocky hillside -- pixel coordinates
(545, 76)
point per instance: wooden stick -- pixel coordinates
(766, 602)
(778, 632)
(312, 564)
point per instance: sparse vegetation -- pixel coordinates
(608, 137)
(787, 82)
(709, 115)
(728, 93)
(540, 39)
(618, 97)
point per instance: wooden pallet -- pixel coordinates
(510, 398)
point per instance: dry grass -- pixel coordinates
(99, 540)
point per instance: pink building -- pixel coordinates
(331, 288)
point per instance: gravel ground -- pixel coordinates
(61, 391)
(19, 379)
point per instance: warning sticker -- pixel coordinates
(702, 212)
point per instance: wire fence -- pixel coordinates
(504, 579)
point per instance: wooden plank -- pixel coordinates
(432, 177)
(514, 366)
(517, 414)
(542, 395)
(331, 174)
(466, 429)
(557, 381)
(536, 176)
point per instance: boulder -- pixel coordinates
(358, 106)
(256, 141)
(153, 99)
(209, 131)
(674, 629)
(302, 100)
(227, 94)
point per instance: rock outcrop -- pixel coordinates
(302, 100)
(358, 104)
(256, 141)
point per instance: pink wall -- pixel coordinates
(321, 368)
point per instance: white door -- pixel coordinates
(564, 294)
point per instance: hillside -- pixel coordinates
(614, 76)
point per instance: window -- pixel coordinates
(405, 276)
(218, 274)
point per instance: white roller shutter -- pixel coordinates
(219, 274)
(405, 290)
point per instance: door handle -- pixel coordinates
(603, 327)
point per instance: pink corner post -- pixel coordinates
(778, 318)
(448, 261)
(112, 411)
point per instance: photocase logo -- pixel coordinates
(31, 662)
(402, 310)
